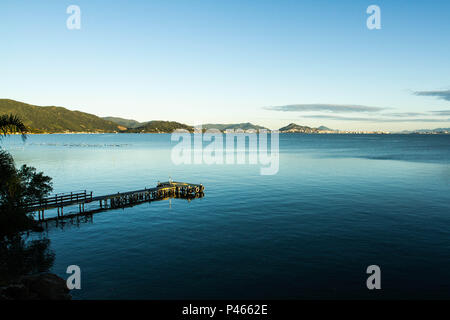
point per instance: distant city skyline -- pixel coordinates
(267, 62)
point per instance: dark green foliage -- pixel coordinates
(17, 257)
(7, 169)
(160, 127)
(55, 119)
(23, 185)
(16, 188)
(35, 186)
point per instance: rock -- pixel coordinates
(15, 292)
(45, 286)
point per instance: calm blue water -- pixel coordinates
(338, 204)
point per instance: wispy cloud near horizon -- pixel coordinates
(405, 114)
(374, 119)
(441, 112)
(373, 114)
(440, 94)
(335, 108)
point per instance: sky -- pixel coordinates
(267, 62)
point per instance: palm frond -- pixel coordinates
(12, 124)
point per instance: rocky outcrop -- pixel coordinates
(45, 286)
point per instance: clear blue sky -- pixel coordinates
(267, 62)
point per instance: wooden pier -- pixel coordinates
(163, 191)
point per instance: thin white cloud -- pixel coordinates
(375, 119)
(335, 108)
(405, 114)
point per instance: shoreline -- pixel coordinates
(291, 133)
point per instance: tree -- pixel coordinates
(18, 186)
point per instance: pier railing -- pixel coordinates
(61, 199)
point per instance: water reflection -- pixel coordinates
(78, 219)
(20, 257)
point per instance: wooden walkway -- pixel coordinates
(162, 191)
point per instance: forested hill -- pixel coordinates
(160, 127)
(56, 119)
(127, 123)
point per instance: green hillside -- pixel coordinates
(160, 127)
(233, 126)
(55, 119)
(127, 123)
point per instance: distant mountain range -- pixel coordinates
(170, 126)
(53, 119)
(295, 128)
(232, 126)
(437, 130)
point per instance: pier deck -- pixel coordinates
(164, 190)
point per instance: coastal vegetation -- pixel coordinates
(18, 185)
(24, 265)
(160, 127)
